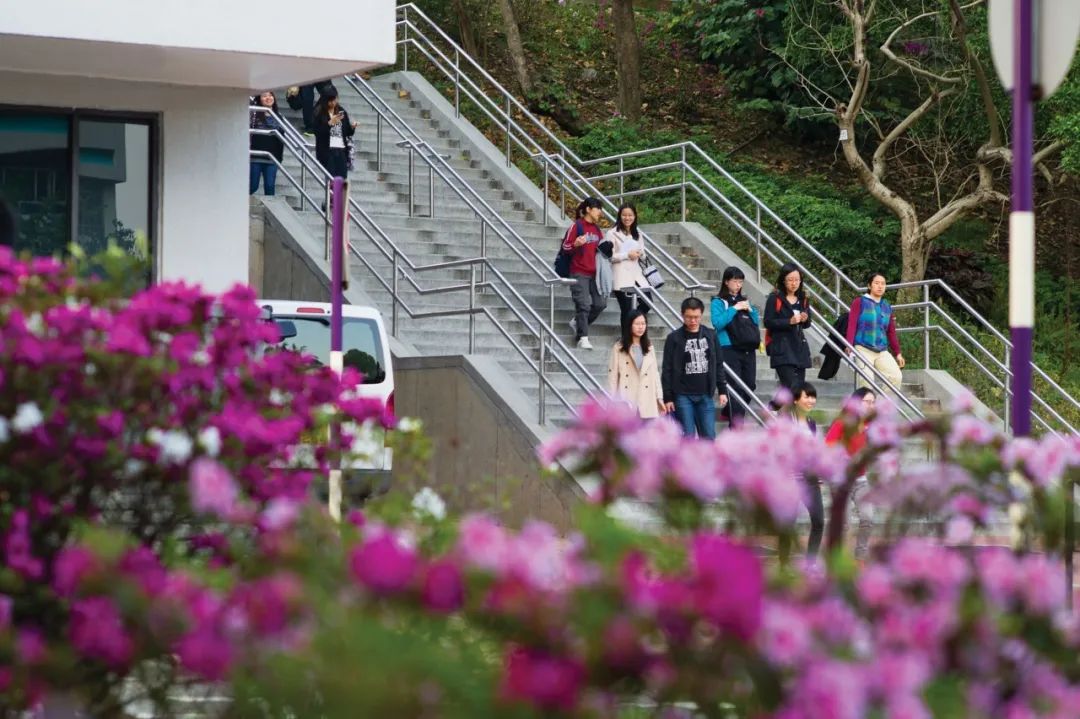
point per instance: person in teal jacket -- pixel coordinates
(738, 330)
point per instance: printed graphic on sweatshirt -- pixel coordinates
(698, 352)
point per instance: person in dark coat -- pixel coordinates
(832, 351)
(692, 373)
(787, 315)
(263, 168)
(333, 128)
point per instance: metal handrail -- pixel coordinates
(452, 68)
(551, 346)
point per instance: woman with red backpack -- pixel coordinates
(787, 315)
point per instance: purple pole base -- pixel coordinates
(1021, 383)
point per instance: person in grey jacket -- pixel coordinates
(692, 373)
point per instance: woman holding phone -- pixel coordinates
(787, 314)
(332, 131)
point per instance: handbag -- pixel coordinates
(651, 273)
(742, 331)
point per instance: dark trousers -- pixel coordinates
(629, 301)
(588, 304)
(744, 364)
(265, 171)
(307, 106)
(789, 375)
(814, 505)
(337, 162)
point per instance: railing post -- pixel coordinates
(394, 296)
(622, 187)
(546, 174)
(757, 241)
(839, 302)
(541, 399)
(303, 183)
(431, 188)
(457, 83)
(926, 327)
(405, 44)
(551, 306)
(508, 131)
(411, 172)
(483, 251)
(378, 142)
(1006, 418)
(683, 186)
(472, 307)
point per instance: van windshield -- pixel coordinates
(359, 340)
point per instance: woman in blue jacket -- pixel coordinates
(738, 331)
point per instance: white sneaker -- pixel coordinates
(584, 344)
(573, 325)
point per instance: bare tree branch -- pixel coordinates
(905, 125)
(886, 49)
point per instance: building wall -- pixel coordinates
(202, 214)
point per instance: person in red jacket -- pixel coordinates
(862, 401)
(581, 242)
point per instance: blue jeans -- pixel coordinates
(697, 415)
(268, 172)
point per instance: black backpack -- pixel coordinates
(743, 332)
(562, 258)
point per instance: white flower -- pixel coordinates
(428, 502)
(409, 424)
(27, 418)
(277, 397)
(90, 369)
(133, 468)
(4, 433)
(200, 357)
(36, 324)
(175, 445)
(210, 440)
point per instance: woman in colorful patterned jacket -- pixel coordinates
(872, 331)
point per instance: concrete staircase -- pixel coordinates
(454, 233)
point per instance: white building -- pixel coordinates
(122, 116)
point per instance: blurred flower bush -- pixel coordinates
(156, 538)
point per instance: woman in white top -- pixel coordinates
(633, 370)
(627, 248)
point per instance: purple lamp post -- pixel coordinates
(1022, 220)
(337, 274)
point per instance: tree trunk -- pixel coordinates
(515, 47)
(914, 255)
(628, 59)
(465, 29)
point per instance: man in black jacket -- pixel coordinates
(692, 372)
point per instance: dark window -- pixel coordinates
(105, 162)
(359, 340)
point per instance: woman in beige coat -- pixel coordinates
(633, 370)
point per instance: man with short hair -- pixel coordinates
(692, 372)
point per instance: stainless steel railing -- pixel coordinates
(551, 348)
(420, 35)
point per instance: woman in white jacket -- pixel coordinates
(627, 248)
(633, 369)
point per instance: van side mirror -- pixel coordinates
(287, 328)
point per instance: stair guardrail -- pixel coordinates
(563, 160)
(552, 350)
(417, 30)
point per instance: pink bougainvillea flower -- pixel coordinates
(384, 564)
(97, 632)
(206, 654)
(443, 588)
(545, 680)
(71, 567)
(728, 583)
(213, 489)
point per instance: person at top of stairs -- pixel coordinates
(692, 373)
(582, 242)
(871, 330)
(627, 251)
(333, 128)
(633, 370)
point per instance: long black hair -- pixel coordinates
(328, 94)
(586, 204)
(627, 335)
(786, 270)
(731, 273)
(619, 223)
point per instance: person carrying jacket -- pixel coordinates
(787, 314)
(581, 243)
(738, 331)
(628, 249)
(692, 373)
(871, 330)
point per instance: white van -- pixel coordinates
(366, 348)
